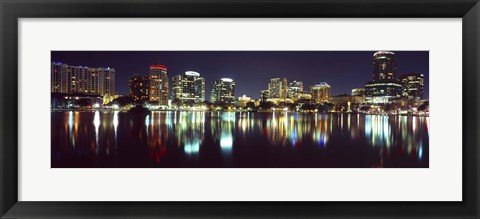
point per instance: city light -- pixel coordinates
(193, 116)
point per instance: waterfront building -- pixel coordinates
(358, 92)
(384, 87)
(223, 91)
(321, 92)
(412, 86)
(188, 87)
(138, 87)
(294, 87)
(158, 84)
(68, 79)
(277, 88)
(384, 66)
(382, 92)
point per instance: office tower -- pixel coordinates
(294, 88)
(384, 66)
(138, 87)
(158, 86)
(383, 87)
(188, 87)
(412, 86)
(320, 92)
(223, 91)
(277, 88)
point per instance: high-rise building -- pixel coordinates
(189, 86)
(277, 88)
(321, 92)
(158, 86)
(223, 91)
(412, 86)
(294, 87)
(139, 86)
(57, 72)
(82, 80)
(383, 87)
(384, 66)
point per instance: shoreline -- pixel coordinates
(126, 111)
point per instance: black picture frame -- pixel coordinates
(12, 10)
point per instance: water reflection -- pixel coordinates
(242, 139)
(96, 122)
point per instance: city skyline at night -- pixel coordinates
(251, 70)
(240, 109)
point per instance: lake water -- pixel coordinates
(229, 139)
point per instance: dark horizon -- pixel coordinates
(251, 70)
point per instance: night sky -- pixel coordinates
(251, 70)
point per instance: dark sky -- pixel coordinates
(251, 70)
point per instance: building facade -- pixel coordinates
(277, 88)
(158, 84)
(320, 92)
(384, 66)
(188, 87)
(138, 87)
(223, 91)
(382, 91)
(384, 86)
(294, 88)
(412, 86)
(69, 79)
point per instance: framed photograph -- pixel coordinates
(239, 109)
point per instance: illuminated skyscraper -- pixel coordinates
(223, 91)
(138, 87)
(277, 88)
(82, 80)
(383, 87)
(294, 87)
(412, 86)
(158, 90)
(384, 66)
(321, 92)
(189, 86)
